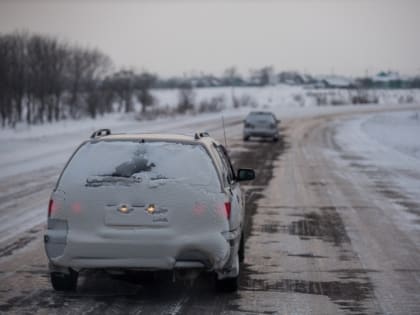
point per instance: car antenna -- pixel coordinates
(224, 130)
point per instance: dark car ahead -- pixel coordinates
(261, 124)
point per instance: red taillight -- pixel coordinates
(51, 207)
(227, 209)
(224, 210)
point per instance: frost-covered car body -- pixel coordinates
(261, 124)
(147, 202)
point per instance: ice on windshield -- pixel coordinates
(128, 162)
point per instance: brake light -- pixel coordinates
(224, 210)
(199, 209)
(76, 207)
(228, 209)
(51, 208)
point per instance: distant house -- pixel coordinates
(205, 81)
(334, 82)
(290, 77)
(388, 79)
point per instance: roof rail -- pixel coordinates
(100, 133)
(199, 135)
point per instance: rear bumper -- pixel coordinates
(145, 251)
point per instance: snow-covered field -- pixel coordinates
(400, 131)
(382, 151)
(283, 99)
(389, 141)
(286, 96)
(30, 148)
(26, 148)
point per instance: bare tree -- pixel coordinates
(84, 68)
(12, 86)
(97, 65)
(18, 78)
(263, 76)
(144, 82)
(123, 84)
(36, 72)
(231, 78)
(186, 98)
(5, 88)
(38, 69)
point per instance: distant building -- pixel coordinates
(290, 77)
(334, 82)
(388, 79)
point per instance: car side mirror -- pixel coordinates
(245, 174)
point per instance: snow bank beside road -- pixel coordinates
(400, 131)
(381, 152)
(385, 139)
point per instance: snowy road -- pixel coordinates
(333, 227)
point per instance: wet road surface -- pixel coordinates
(318, 241)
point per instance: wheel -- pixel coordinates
(246, 138)
(275, 139)
(64, 281)
(227, 284)
(241, 252)
(230, 283)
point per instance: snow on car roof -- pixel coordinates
(148, 136)
(257, 113)
(159, 137)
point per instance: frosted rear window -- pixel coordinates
(136, 162)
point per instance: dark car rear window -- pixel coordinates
(260, 117)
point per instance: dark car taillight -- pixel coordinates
(228, 208)
(224, 210)
(51, 207)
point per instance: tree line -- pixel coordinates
(44, 79)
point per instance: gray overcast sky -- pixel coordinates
(173, 37)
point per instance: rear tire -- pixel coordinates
(227, 284)
(246, 138)
(275, 139)
(230, 284)
(64, 281)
